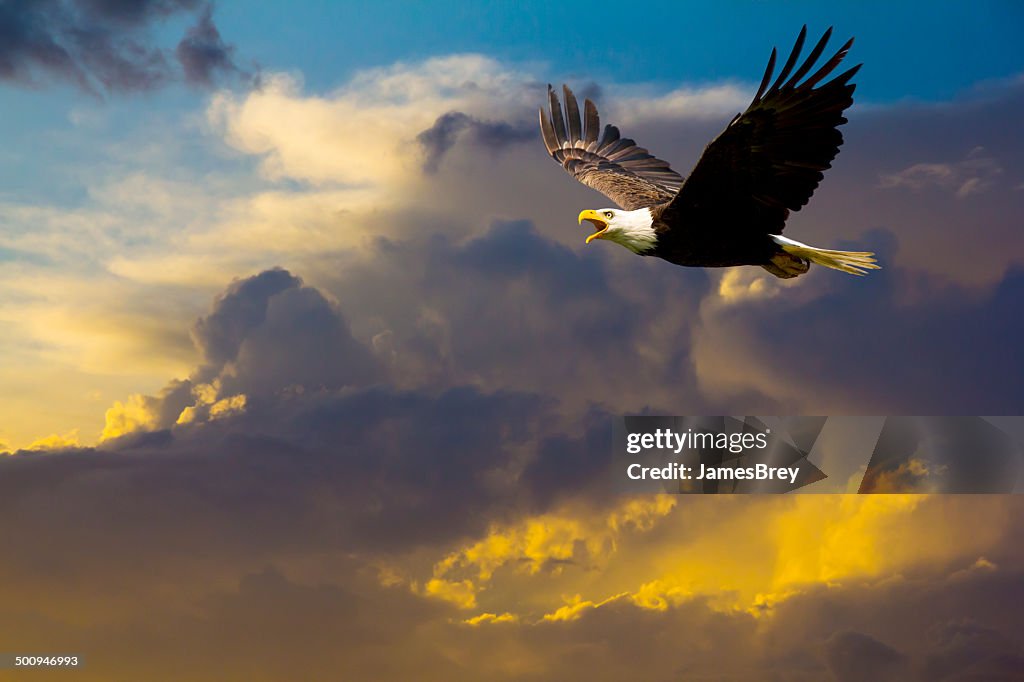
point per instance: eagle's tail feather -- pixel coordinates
(853, 262)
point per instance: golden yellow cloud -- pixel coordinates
(735, 554)
(137, 413)
(491, 618)
(576, 606)
(546, 542)
(54, 442)
(462, 593)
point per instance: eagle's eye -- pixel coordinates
(608, 214)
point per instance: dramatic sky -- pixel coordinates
(306, 372)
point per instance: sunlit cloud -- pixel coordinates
(748, 558)
(364, 132)
(545, 544)
(55, 442)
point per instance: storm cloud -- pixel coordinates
(105, 46)
(491, 136)
(203, 54)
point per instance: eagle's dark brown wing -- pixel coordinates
(769, 159)
(613, 165)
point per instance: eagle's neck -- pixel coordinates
(634, 230)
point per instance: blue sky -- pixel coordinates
(910, 51)
(927, 50)
(930, 51)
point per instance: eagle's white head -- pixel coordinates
(632, 229)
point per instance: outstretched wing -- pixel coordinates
(770, 159)
(613, 165)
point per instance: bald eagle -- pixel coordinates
(731, 210)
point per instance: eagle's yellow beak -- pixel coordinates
(600, 224)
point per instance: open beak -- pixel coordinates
(600, 224)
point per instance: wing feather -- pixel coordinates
(556, 116)
(548, 133)
(767, 76)
(613, 165)
(811, 59)
(572, 116)
(832, 64)
(793, 56)
(770, 159)
(592, 125)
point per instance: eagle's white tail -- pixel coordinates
(853, 262)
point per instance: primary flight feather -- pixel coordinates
(732, 208)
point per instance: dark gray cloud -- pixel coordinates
(856, 657)
(265, 335)
(105, 45)
(489, 135)
(964, 627)
(944, 179)
(346, 469)
(236, 313)
(510, 308)
(968, 650)
(268, 333)
(948, 352)
(203, 54)
(323, 426)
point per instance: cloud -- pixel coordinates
(951, 218)
(475, 516)
(966, 649)
(545, 543)
(493, 136)
(56, 442)
(854, 656)
(348, 623)
(365, 132)
(265, 334)
(104, 46)
(712, 102)
(825, 367)
(147, 413)
(973, 175)
(203, 54)
(511, 308)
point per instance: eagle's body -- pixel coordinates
(694, 243)
(732, 208)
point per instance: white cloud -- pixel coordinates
(975, 174)
(689, 103)
(364, 132)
